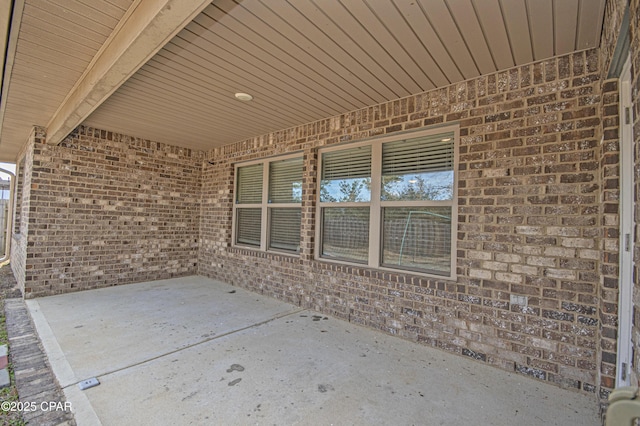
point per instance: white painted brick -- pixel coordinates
(508, 257)
(529, 230)
(479, 255)
(560, 252)
(480, 273)
(524, 269)
(578, 242)
(495, 266)
(563, 231)
(561, 274)
(589, 254)
(549, 345)
(508, 277)
(541, 261)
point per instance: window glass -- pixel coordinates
(248, 226)
(345, 233)
(271, 219)
(418, 169)
(417, 238)
(284, 229)
(285, 181)
(346, 175)
(406, 222)
(249, 185)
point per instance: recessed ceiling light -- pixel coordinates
(446, 139)
(244, 97)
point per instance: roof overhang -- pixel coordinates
(167, 70)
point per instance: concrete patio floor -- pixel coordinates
(196, 351)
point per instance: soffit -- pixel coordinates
(305, 60)
(56, 42)
(302, 60)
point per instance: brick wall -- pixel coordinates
(610, 221)
(529, 214)
(106, 209)
(22, 207)
(634, 12)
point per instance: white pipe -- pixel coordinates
(7, 243)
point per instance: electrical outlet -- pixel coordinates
(89, 383)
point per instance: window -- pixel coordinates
(267, 208)
(390, 203)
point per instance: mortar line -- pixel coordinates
(258, 324)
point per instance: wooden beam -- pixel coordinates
(146, 27)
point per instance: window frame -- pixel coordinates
(265, 206)
(376, 205)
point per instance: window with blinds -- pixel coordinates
(285, 181)
(285, 198)
(390, 203)
(284, 229)
(268, 204)
(346, 175)
(248, 225)
(249, 186)
(418, 169)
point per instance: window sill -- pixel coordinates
(275, 255)
(382, 270)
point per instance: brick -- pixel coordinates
(509, 277)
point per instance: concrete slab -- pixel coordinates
(101, 331)
(189, 351)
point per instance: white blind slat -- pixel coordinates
(418, 155)
(285, 181)
(249, 225)
(249, 187)
(284, 232)
(347, 163)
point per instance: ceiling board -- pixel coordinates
(516, 19)
(495, 31)
(566, 13)
(302, 60)
(590, 20)
(541, 24)
(468, 24)
(440, 18)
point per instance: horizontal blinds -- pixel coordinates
(249, 188)
(285, 181)
(284, 232)
(417, 238)
(347, 163)
(248, 226)
(419, 155)
(345, 233)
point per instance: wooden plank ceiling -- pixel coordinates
(302, 60)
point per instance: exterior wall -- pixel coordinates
(22, 208)
(614, 14)
(634, 12)
(106, 209)
(5, 189)
(610, 221)
(529, 215)
(610, 174)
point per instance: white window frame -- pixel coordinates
(376, 206)
(265, 205)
